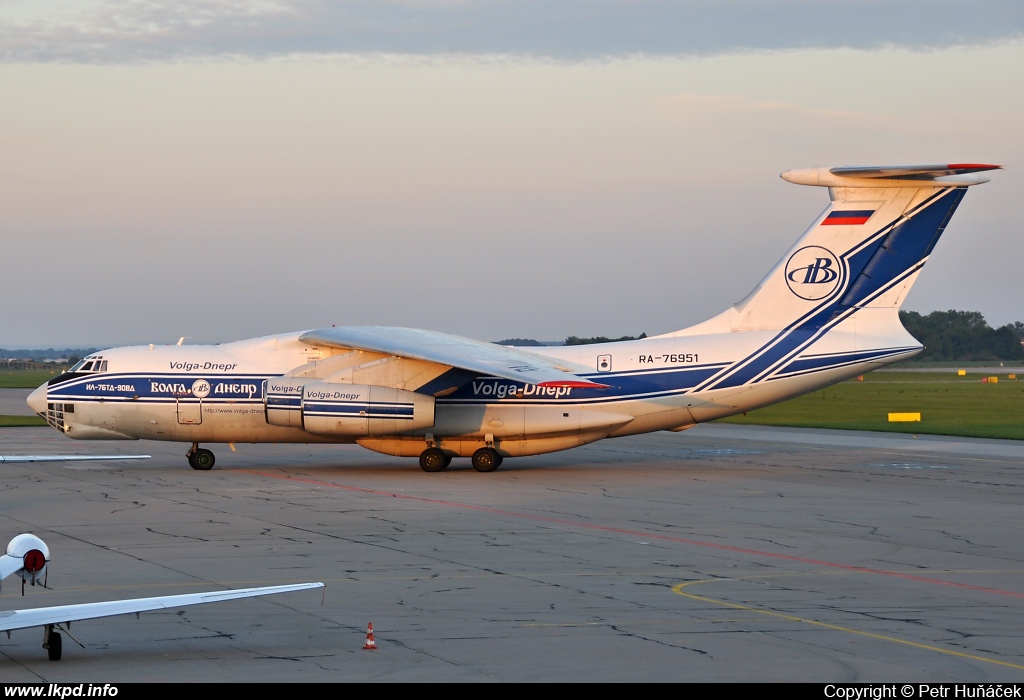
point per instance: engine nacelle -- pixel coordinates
(282, 400)
(26, 556)
(346, 409)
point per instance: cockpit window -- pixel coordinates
(97, 364)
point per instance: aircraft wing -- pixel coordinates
(65, 458)
(37, 617)
(455, 351)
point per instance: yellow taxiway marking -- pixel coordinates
(678, 589)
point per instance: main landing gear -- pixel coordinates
(486, 459)
(52, 643)
(199, 458)
(434, 459)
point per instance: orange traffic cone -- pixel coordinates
(370, 644)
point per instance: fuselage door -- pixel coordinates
(190, 410)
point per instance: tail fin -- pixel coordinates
(863, 252)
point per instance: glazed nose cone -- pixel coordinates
(37, 400)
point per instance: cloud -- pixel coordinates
(569, 30)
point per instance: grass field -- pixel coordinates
(948, 404)
(25, 378)
(20, 421)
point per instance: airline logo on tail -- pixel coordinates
(813, 273)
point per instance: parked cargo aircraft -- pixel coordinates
(827, 311)
(28, 556)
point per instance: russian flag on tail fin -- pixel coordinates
(849, 217)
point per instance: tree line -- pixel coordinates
(571, 340)
(963, 335)
(947, 336)
(40, 355)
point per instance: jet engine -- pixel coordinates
(26, 556)
(326, 408)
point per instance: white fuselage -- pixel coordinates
(218, 393)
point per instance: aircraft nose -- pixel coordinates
(37, 400)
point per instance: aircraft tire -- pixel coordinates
(486, 459)
(203, 460)
(433, 459)
(54, 645)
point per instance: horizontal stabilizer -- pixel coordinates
(926, 171)
(941, 175)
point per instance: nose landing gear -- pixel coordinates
(200, 458)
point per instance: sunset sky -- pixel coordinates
(221, 170)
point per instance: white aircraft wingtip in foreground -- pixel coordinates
(827, 311)
(28, 556)
(14, 459)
